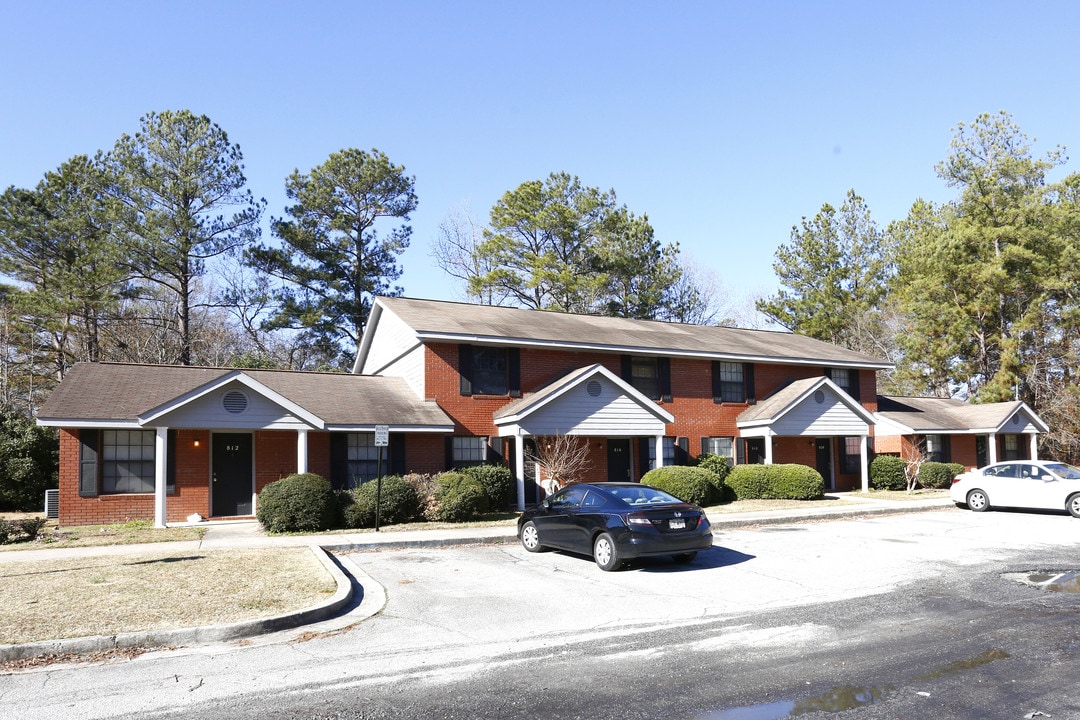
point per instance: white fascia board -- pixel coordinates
(84, 423)
(239, 376)
(635, 350)
(1032, 418)
(393, 428)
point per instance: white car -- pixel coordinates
(1038, 484)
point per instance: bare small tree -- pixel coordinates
(914, 458)
(564, 458)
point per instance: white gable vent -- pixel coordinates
(234, 402)
(593, 388)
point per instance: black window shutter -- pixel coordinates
(494, 448)
(946, 448)
(170, 462)
(748, 381)
(627, 369)
(717, 387)
(513, 371)
(89, 442)
(339, 460)
(397, 453)
(449, 452)
(682, 451)
(740, 451)
(828, 373)
(855, 392)
(665, 379)
(704, 444)
(465, 368)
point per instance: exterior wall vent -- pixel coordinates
(594, 388)
(234, 402)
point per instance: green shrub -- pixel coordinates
(458, 497)
(398, 503)
(938, 475)
(888, 472)
(719, 466)
(689, 484)
(776, 482)
(498, 484)
(303, 502)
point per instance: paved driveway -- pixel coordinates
(499, 592)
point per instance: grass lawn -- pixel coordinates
(136, 531)
(64, 598)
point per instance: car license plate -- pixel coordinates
(677, 524)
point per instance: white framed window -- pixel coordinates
(645, 376)
(363, 458)
(127, 461)
(469, 451)
(851, 458)
(732, 382)
(722, 446)
(669, 451)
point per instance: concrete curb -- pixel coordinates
(198, 635)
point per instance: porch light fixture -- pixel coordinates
(195, 442)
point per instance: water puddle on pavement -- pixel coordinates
(983, 658)
(838, 699)
(1067, 581)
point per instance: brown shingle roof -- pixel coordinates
(122, 392)
(505, 325)
(928, 414)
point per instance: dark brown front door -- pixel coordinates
(618, 460)
(230, 480)
(823, 448)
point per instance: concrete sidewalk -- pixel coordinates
(358, 596)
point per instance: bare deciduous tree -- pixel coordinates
(564, 459)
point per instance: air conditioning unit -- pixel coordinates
(52, 504)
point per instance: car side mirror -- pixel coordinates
(546, 503)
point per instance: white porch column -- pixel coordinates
(659, 450)
(1034, 446)
(301, 451)
(161, 465)
(991, 446)
(768, 450)
(864, 465)
(519, 469)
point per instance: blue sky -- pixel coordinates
(725, 122)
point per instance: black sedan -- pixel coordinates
(615, 522)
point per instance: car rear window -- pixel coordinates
(643, 496)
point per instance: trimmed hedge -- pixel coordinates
(458, 498)
(776, 482)
(689, 484)
(303, 502)
(888, 472)
(399, 503)
(498, 484)
(938, 475)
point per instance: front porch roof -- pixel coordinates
(922, 415)
(123, 395)
(588, 401)
(812, 406)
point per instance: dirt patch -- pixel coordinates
(69, 598)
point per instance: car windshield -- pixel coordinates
(643, 496)
(1069, 472)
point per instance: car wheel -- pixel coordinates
(977, 501)
(1073, 505)
(530, 538)
(684, 557)
(605, 553)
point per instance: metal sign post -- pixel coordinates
(382, 439)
